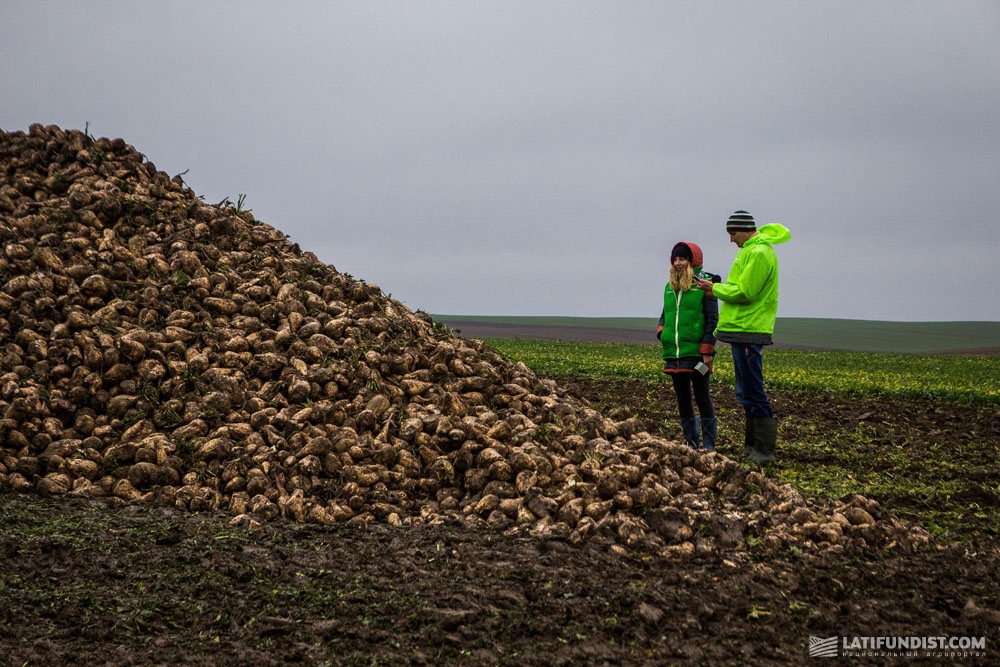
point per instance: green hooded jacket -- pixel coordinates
(749, 297)
(686, 330)
(686, 319)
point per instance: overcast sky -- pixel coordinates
(541, 158)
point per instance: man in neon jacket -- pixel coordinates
(749, 307)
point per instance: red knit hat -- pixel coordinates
(688, 251)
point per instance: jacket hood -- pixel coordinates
(697, 258)
(772, 233)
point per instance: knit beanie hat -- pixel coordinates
(741, 221)
(681, 250)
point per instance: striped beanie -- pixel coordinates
(740, 221)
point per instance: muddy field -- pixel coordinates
(82, 584)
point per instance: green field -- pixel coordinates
(960, 378)
(813, 333)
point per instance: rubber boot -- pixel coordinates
(747, 437)
(692, 435)
(709, 432)
(765, 435)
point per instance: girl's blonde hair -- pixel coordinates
(681, 280)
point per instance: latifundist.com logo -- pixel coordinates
(897, 647)
(820, 647)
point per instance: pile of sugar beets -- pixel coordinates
(158, 349)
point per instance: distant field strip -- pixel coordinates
(873, 336)
(634, 323)
(811, 333)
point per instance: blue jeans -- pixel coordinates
(748, 364)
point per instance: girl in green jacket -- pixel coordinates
(687, 334)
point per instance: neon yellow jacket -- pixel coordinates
(749, 297)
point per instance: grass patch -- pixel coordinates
(623, 361)
(954, 378)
